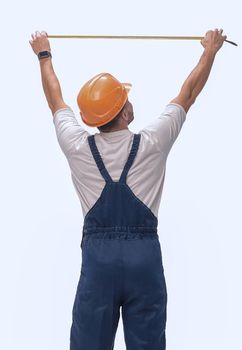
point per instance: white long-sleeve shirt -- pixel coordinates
(147, 173)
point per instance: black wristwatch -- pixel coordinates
(44, 54)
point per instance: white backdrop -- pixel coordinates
(199, 219)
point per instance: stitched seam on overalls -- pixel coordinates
(131, 157)
(98, 159)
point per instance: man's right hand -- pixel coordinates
(196, 80)
(213, 40)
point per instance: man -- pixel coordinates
(119, 177)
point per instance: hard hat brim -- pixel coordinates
(127, 86)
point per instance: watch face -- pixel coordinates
(44, 54)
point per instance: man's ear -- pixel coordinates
(125, 114)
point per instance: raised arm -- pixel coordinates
(49, 79)
(196, 80)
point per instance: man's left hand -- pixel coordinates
(40, 42)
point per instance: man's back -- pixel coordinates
(147, 174)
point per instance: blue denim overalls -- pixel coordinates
(121, 267)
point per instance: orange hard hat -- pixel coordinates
(101, 99)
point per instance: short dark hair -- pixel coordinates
(113, 123)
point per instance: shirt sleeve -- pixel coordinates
(164, 130)
(68, 131)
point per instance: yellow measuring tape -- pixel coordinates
(133, 37)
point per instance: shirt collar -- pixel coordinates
(112, 134)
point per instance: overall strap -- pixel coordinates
(98, 159)
(132, 154)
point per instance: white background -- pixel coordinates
(199, 219)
